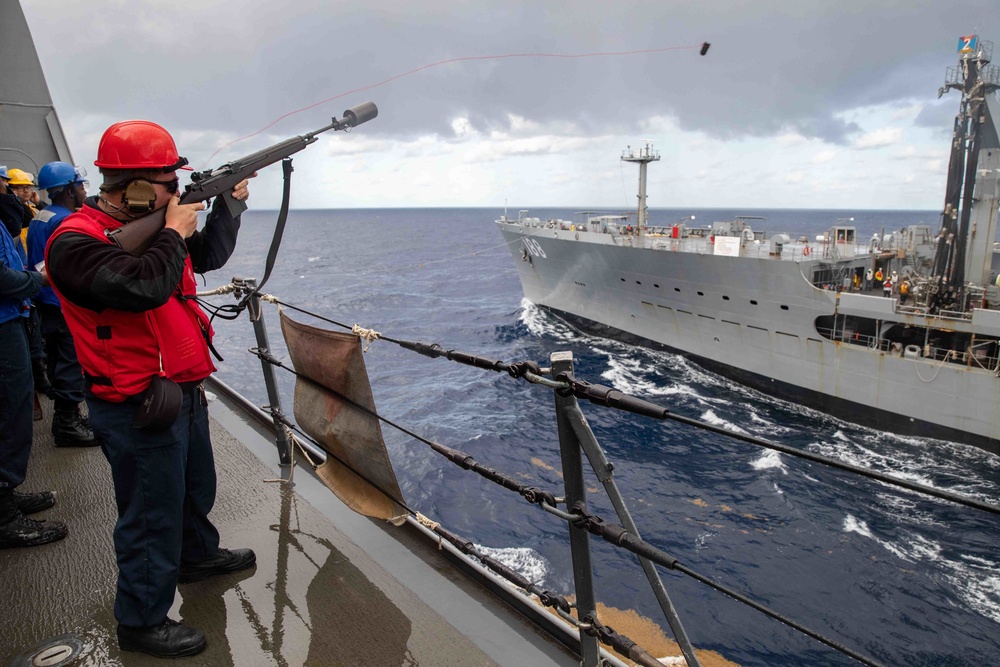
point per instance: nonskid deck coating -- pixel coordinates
(314, 597)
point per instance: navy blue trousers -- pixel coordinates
(35, 335)
(15, 402)
(65, 373)
(164, 489)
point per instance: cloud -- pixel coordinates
(886, 136)
(768, 70)
(519, 85)
(823, 157)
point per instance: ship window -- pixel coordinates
(677, 289)
(637, 282)
(656, 286)
(701, 294)
(623, 280)
(752, 302)
(725, 298)
(784, 307)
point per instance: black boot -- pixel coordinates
(30, 503)
(40, 376)
(169, 639)
(69, 428)
(17, 530)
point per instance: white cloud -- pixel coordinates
(879, 138)
(462, 127)
(823, 157)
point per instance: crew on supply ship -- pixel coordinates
(139, 335)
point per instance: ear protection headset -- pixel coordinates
(139, 196)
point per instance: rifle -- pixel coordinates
(138, 235)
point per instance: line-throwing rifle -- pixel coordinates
(138, 235)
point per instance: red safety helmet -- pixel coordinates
(138, 144)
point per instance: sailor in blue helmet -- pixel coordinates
(16, 286)
(66, 188)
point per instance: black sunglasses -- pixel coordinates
(171, 186)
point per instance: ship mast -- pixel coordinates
(974, 131)
(643, 156)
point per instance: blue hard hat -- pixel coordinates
(57, 174)
(3, 172)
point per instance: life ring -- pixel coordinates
(806, 251)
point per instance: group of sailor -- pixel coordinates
(890, 283)
(119, 330)
(37, 351)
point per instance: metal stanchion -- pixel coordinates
(249, 285)
(603, 468)
(576, 492)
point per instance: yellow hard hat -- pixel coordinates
(20, 177)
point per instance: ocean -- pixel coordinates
(905, 579)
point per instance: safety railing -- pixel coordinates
(576, 441)
(977, 354)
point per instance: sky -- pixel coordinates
(797, 104)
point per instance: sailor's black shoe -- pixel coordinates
(29, 503)
(169, 639)
(69, 429)
(20, 531)
(224, 562)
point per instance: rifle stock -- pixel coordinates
(138, 235)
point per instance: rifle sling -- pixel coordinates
(279, 226)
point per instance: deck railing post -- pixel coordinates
(604, 471)
(576, 492)
(270, 380)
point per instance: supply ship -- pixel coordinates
(800, 318)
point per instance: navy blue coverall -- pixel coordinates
(16, 286)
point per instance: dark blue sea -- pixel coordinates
(905, 579)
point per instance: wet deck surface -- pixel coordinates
(319, 595)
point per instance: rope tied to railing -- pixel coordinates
(367, 335)
(224, 289)
(429, 524)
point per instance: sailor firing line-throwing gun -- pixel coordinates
(138, 235)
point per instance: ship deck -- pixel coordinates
(330, 587)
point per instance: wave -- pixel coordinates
(524, 560)
(541, 324)
(768, 460)
(709, 417)
(974, 580)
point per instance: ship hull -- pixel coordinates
(753, 320)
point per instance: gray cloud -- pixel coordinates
(234, 67)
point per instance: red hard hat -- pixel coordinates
(138, 144)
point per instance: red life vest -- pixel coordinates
(121, 351)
